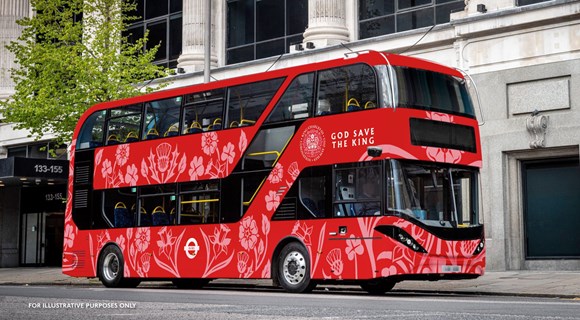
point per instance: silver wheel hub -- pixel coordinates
(111, 267)
(294, 268)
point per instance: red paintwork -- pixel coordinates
(246, 249)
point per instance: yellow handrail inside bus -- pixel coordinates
(246, 121)
(200, 201)
(112, 137)
(173, 128)
(158, 209)
(195, 125)
(153, 132)
(370, 105)
(130, 135)
(120, 205)
(234, 124)
(247, 203)
(351, 101)
(264, 153)
(217, 121)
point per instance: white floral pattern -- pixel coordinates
(122, 154)
(277, 174)
(209, 141)
(248, 233)
(196, 168)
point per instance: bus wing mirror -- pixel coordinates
(374, 151)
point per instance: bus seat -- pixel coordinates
(122, 216)
(112, 139)
(194, 128)
(234, 124)
(370, 105)
(159, 217)
(152, 134)
(171, 132)
(216, 125)
(131, 137)
(352, 105)
(145, 218)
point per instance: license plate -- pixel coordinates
(450, 269)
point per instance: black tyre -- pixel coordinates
(186, 283)
(294, 269)
(111, 267)
(378, 287)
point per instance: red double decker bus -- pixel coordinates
(356, 170)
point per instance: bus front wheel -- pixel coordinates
(294, 269)
(111, 268)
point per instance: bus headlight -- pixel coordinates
(479, 247)
(401, 236)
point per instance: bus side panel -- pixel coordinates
(245, 250)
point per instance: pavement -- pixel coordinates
(554, 284)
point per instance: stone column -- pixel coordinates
(194, 25)
(10, 11)
(326, 23)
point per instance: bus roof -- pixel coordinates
(369, 57)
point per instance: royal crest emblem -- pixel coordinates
(312, 143)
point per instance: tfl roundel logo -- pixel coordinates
(312, 143)
(191, 248)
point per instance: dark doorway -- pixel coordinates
(551, 190)
(42, 239)
(54, 239)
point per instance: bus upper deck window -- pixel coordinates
(296, 102)
(161, 118)
(91, 134)
(247, 102)
(346, 89)
(123, 124)
(203, 111)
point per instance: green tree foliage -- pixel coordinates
(67, 64)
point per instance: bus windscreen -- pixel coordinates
(433, 91)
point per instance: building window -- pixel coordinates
(528, 2)
(45, 150)
(163, 20)
(384, 17)
(263, 28)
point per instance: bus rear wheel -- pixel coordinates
(294, 269)
(378, 287)
(111, 268)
